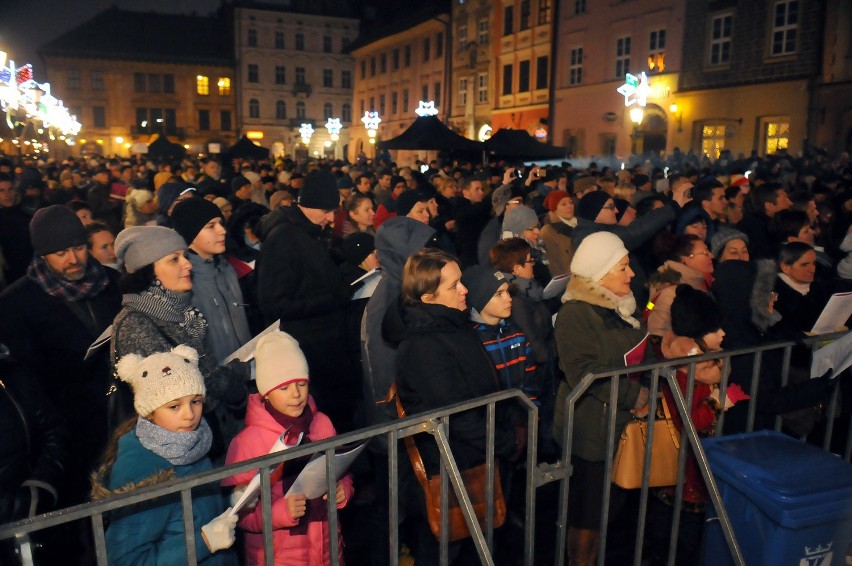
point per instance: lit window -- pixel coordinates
(224, 86)
(785, 27)
(712, 140)
(777, 135)
(202, 85)
(720, 39)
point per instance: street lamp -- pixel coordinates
(636, 116)
(678, 115)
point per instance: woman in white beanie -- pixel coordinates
(594, 330)
(168, 438)
(157, 315)
(140, 208)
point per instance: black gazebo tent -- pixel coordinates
(247, 149)
(162, 149)
(428, 132)
(518, 144)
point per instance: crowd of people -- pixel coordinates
(127, 285)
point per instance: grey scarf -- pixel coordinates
(168, 306)
(179, 448)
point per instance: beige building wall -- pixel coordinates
(473, 79)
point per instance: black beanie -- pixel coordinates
(407, 199)
(319, 191)
(357, 247)
(55, 228)
(238, 183)
(482, 282)
(694, 313)
(189, 217)
(591, 204)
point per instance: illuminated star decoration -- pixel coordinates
(635, 89)
(306, 131)
(371, 120)
(333, 126)
(426, 109)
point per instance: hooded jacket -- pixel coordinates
(291, 548)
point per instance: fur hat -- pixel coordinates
(55, 228)
(279, 361)
(694, 313)
(482, 282)
(591, 204)
(597, 254)
(139, 246)
(721, 238)
(161, 377)
(191, 215)
(519, 219)
(319, 191)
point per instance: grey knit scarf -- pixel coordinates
(168, 306)
(179, 448)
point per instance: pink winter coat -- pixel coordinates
(311, 548)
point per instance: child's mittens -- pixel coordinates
(733, 395)
(219, 533)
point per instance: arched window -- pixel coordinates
(254, 108)
(327, 111)
(347, 113)
(300, 110)
(280, 110)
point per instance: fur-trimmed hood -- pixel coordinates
(766, 270)
(675, 273)
(588, 291)
(742, 290)
(101, 491)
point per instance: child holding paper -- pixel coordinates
(300, 525)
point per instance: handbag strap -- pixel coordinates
(670, 423)
(410, 446)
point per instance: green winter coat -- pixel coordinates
(591, 337)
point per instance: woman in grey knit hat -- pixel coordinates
(157, 315)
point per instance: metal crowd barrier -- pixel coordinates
(434, 423)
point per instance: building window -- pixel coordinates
(280, 110)
(427, 48)
(327, 110)
(279, 40)
(524, 76)
(462, 92)
(575, 71)
(525, 15)
(346, 113)
(300, 110)
(253, 73)
(482, 28)
(203, 120)
(252, 38)
(712, 140)
(381, 105)
(395, 60)
(424, 92)
(608, 144)
(785, 27)
(138, 82)
(383, 63)
(579, 6)
(300, 41)
(225, 120)
(345, 79)
(142, 120)
(254, 108)
(224, 86)
(407, 56)
(344, 43)
(372, 103)
(462, 35)
(280, 75)
(720, 39)
(74, 79)
(657, 50)
(507, 79)
(372, 66)
(439, 45)
(326, 44)
(544, 10)
(154, 83)
(482, 88)
(437, 97)
(300, 75)
(405, 100)
(542, 72)
(169, 83)
(327, 80)
(777, 136)
(394, 102)
(170, 118)
(622, 56)
(508, 20)
(363, 69)
(362, 106)
(97, 80)
(98, 117)
(202, 85)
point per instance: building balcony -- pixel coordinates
(148, 130)
(302, 90)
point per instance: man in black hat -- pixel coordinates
(50, 317)
(104, 208)
(299, 283)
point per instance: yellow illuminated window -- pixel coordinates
(712, 140)
(777, 136)
(224, 86)
(202, 85)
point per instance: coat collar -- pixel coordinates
(585, 290)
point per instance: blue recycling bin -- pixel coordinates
(789, 503)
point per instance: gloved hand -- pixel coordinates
(218, 534)
(238, 492)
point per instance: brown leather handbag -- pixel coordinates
(474, 480)
(630, 457)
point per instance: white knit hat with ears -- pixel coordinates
(279, 361)
(597, 254)
(161, 377)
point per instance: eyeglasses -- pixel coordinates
(608, 207)
(529, 262)
(705, 252)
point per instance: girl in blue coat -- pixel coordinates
(170, 439)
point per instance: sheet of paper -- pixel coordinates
(835, 314)
(313, 481)
(556, 286)
(245, 352)
(253, 486)
(369, 287)
(99, 341)
(837, 356)
(367, 275)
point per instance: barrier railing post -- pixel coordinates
(610, 450)
(532, 459)
(100, 540)
(188, 526)
(393, 497)
(266, 512)
(331, 504)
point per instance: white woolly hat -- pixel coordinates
(279, 361)
(597, 254)
(161, 377)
